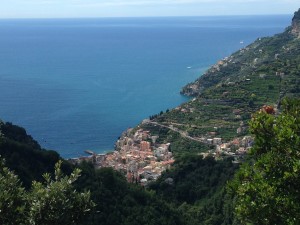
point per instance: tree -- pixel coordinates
(13, 204)
(267, 187)
(52, 202)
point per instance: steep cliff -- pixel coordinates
(296, 24)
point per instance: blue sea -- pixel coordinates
(77, 84)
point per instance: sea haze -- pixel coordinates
(76, 84)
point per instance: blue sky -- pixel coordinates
(132, 8)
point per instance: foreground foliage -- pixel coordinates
(121, 203)
(117, 202)
(52, 202)
(268, 186)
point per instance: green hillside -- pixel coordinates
(24, 155)
(225, 96)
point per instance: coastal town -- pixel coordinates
(136, 155)
(141, 159)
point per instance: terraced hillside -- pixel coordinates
(231, 90)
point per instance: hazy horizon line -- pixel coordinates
(118, 17)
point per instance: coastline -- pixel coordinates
(92, 99)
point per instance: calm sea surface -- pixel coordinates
(76, 84)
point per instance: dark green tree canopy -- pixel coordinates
(267, 187)
(51, 202)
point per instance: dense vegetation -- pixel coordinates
(47, 203)
(25, 156)
(194, 191)
(267, 187)
(118, 202)
(197, 188)
(264, 191)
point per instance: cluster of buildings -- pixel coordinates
(137, 156)
(237, 148)
(141, 159)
